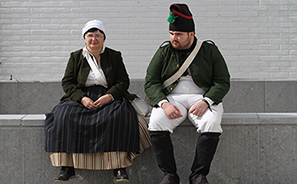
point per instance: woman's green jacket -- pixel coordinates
(78, 69)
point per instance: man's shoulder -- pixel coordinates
(209, 45)
(165, 44)
(209, 42)
(165, 48)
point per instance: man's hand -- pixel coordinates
(199, 108)
(103, 100)
(171, 111)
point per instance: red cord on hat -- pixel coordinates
(180, 14)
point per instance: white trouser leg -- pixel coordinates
(184, 96)
(160, 122)
(210, 121)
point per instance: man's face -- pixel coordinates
(181, 40)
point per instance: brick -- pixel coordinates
(250, 34)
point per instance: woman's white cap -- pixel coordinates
(93, 24)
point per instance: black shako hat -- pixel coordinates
(180, 18)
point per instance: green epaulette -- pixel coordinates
(210, 42)
(164, 44)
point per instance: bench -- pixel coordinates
(258, 144)
(254, 148)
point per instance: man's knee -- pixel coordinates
(209, 126)
(163, 123)
(207, 123)
(156, 126)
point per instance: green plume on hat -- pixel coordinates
(171, 18)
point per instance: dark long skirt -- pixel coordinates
(72, 128)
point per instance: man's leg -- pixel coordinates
(163, 148)
(209, 128)
(160, 127)
(205, 149)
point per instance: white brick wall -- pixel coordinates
(257, 37)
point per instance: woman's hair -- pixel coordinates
(93, 30)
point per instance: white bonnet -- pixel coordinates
(93, 24)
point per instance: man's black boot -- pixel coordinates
(163, 147)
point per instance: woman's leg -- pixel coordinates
(65, 161)
(121, 175)
(66, 174)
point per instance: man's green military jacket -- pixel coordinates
(208, 70)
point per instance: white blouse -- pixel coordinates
(92, 80)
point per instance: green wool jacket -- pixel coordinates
(208, 70)
(78, 69)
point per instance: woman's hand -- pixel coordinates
(103, 100)
(88, 103)
(171, 111)
(199, 108)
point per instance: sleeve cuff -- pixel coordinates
(162, 101)
(210, 102)
(79, 100)
(111, 97)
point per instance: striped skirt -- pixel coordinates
(103, 160)
(72, 128)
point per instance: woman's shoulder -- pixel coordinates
(77, 52)
(109, 50)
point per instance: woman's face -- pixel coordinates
(94, 40)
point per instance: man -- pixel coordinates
(197, 94)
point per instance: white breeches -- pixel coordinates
(210, 121)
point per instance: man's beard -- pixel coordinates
(179, 46)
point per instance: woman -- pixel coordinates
(94, 126)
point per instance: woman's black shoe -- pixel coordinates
(66, 174)
(121, 175)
